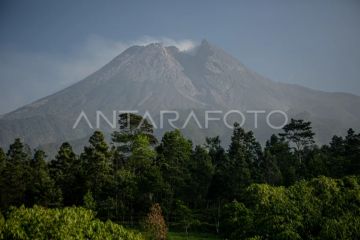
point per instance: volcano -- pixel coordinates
(154, 78)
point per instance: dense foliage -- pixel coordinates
(322, 208)
(285, 190)
(67, 223)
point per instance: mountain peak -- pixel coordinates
(207, 48)
(154, 45)
(136, 49)
(204, 42)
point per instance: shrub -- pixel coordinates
(67, 223)
(321, 208)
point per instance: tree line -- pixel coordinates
(205, 187)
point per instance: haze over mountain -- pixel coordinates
(155, 78)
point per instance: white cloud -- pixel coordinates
(27, 76)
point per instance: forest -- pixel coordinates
(139, 187)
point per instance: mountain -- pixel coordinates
(154, 78)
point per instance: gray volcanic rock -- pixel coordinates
(154, 78)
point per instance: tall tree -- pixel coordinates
(342, 155)
(17, 172)
(280, 154)
(216, 151)
(201, 170)
(270, 171)
(67, 171)
(130, 126)
(142, 155)
(337, 161)
(2, 160)
(352, 149)
(98, 166)
(2, 176)
(245, 156)
(174, 154)
(134, 164)
(148, 176)
(316, 163)
(126, 192)
(41, 189)
(299, 134)
(219, 187)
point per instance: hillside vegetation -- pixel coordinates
(289, 189)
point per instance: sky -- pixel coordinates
(48, 45)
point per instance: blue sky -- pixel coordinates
(48, 45)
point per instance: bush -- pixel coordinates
(67, 223)
(237, 221)
(321, 208)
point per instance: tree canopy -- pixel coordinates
(289, 189)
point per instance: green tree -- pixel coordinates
(270, 171)
(41, 189)
(17, 172)
(174, 153)
(352, 148)
(316, 163)
(275, 215)
(148, 176)
(185, 216)
(343, 154)
(238, 221)
(219, 187)
(126, 192)
(201, 170)
(2, 176)
(67, 171)
(130, 126)
(142, 155)
(277, 154)
(2, 160)
(245, 155)
(321, 208)
(298, 133)
(98, 170)
(337, 160)
(215, 150)
(134, 158)
(89, 202)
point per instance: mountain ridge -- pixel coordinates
(157, 77)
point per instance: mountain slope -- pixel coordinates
(154, 78)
